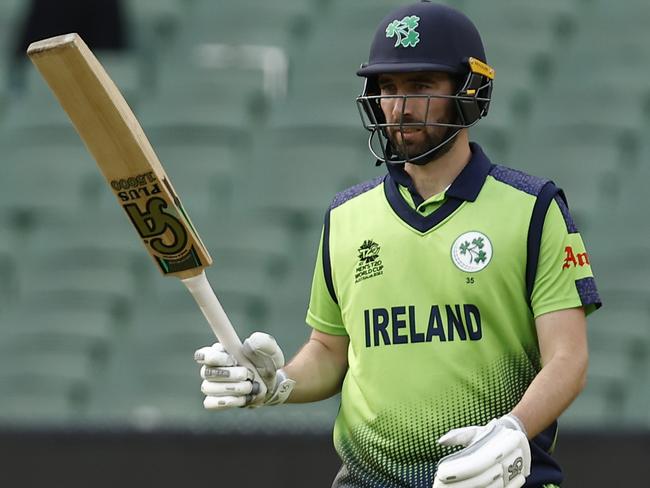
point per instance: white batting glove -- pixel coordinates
(227, 385)
(496, 455)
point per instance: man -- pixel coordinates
(449, 297)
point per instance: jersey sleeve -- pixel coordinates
(564, 278)
(324, 314)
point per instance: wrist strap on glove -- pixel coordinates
(511, 421)
(282, 389)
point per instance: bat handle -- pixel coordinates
(202, 291)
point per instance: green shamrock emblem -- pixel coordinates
(404, 31)
(475, 250)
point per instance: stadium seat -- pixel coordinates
(246, 301)
(78, 269)
(279, 24)
(620, 20)
(625, 323)
(217, 118)
(22, 405)
(82, 329)
(593, 409)
(64, 365)
(604, 65)
(10, 15)
(105, 231)
(288, 312)
(535, 19)
(155, 21)
(305, 179)
(202, 172)
(585, 106)
(145, 387)
(584, 168)
(123, 68)
(248, 237)
(59, 176)
(636, 411)
(7, 266)
(33, 120)
(197, 75)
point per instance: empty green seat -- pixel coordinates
(90, 330)
(22, 401)
(28, 376)
(636, 410)
(202, 173)
(58, 175)
(273, 24)
(592, 409)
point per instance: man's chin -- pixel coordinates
(413, 151)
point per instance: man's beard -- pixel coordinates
(433, 137)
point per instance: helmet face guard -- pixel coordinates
(469, 104)
(424, 37)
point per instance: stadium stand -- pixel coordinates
(257, 160)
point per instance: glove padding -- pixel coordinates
(496, 455)
(228, 385)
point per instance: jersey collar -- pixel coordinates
(469, 182)
(465, 187)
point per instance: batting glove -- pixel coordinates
(227, 385)
(496, 455)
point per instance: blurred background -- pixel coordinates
(250, 107)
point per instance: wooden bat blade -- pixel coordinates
(114, 137)
(123, 153)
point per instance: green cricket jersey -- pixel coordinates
(439, 298)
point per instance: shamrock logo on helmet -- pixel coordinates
(405, 31)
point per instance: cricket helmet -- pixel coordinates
(425, 37)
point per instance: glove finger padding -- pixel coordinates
(226, 375)
(223, 402)
(459, 437)
(500, 447)
(214, 355)
(517, 482)
(226, 389)
(486, 479)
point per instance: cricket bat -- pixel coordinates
(124, 155)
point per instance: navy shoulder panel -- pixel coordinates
(533, 186)
(355, 191)
(518, 179)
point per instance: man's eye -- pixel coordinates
(422, 86)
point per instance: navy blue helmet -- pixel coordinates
(425, 37)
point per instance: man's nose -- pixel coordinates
(401, 107)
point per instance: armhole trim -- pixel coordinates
(535, 228)
(327, 263)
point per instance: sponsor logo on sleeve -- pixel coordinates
(573, 259)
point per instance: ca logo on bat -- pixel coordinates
(154, 222)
